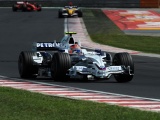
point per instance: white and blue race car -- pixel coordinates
(52, 59)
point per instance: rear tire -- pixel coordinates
(61, 62)
(25, 65)
(126, 60)
(39, 8)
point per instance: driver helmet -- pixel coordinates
(75, 49)
(70, 4)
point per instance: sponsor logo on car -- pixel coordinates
(48, 44)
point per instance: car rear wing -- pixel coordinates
(46, 46)
(20, 2)
(70, 33)
(70, 6)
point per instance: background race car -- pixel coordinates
(53, 59)
(70, 11)
(26, 6)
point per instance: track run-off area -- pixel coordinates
(20, 29)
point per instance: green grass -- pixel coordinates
(25, 105)
(102, 30)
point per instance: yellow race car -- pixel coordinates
(70, 11)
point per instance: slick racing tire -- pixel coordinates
(60, 12)
(25, 65)
(80, 14)
(14, 8)
(39, 8)
(126, 60)
(61, 62)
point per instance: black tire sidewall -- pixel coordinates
(126, 60)
(25, 65)
(61, 62)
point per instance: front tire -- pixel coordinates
(14, 8)
(126, 60)
(25, 65)
(80, 14)
(61, 62)
(60, 13)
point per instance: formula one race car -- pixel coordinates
(26, 6)
(70, 11)
(54, 59)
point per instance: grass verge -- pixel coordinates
(102, 30)
(24, 105)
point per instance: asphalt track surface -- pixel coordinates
(18, 30)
